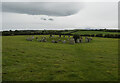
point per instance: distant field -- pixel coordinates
(91, 32)
(45, 61)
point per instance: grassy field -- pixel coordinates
(45, 61)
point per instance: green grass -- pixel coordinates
(45, 61)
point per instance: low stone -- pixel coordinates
(53, 41)
(59, 40)
(39, 40)
(32, 37)
(72, 41)
(77, 41)
(44, 40)
(86, 39)
(36, 37)
(64, 41)
(81, 40)
(29, 39)
(56, 42)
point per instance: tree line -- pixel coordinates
(60, 32)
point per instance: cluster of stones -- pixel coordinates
(87, 39)
(39, 40)
(71, 40)
(43, 39)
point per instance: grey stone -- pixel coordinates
(29, 39)
(59, 40)
(44, 40)
(90, 38)
(77, 41)
(53, 41)
(64, 41)
(86, 39)
(56, 42)
(72, 41)
(32, 37)
(36, 37)
(39, 40)
(81, 40)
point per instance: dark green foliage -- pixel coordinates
(86, 35)
(92, 35)
(76, 36)
(112, 36)
(99, 35)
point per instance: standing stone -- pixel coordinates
(53, 41)
(64, 41)
(39, 40)
(81, 40)
(44, 37)
(90, 38)
(50, 35)
(59, 40)
(44, 40)
(77, 41)
(86, 39)
(72, 41)
(29, 39)
(56, 42)
(68, 35)
(59, 35)
(64, 36)
(36, 38)
(32, 37)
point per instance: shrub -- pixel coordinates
(86, 34)
(92, 35)
(99, 35)
(112, 36)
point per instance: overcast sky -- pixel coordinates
(59, 15)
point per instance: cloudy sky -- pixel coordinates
(59, 15)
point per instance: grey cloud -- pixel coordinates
(43, 8)
(45, 19)
(51, 19)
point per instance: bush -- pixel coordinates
(99, 35)
(112, 36)
(76, 36)
(87, 35)
(92, 35)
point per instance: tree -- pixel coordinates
(76, 36)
